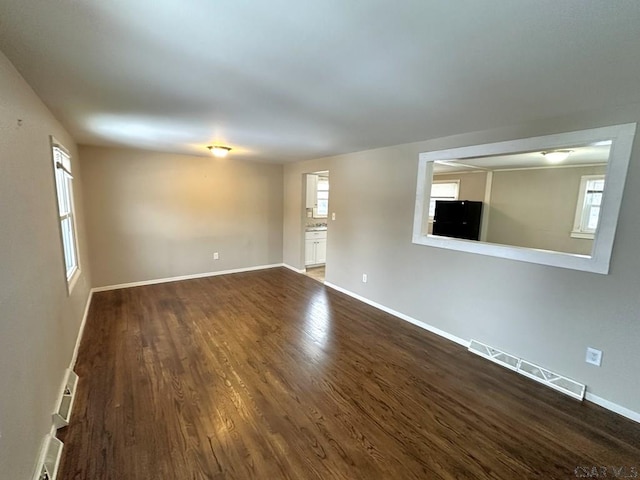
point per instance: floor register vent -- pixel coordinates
(48, 465)
(65, 403)
(528, 369)
(51, 452)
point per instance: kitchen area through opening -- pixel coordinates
(315, 224)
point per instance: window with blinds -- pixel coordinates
(64, 189)
(323, 197)
(588, 207)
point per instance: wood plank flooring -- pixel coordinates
(317, 273)
(272, 375)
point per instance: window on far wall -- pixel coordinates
(588, 207)
(442, 190)
(322, 209)
(64, 190)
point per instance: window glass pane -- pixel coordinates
(323, 183)
(592, 190)
(66, 195)
(442, 191)
(323, 207)
(592, 222)
(595, 198)
(67, 237)
(60, 190)
(445, 190)
(65, 210)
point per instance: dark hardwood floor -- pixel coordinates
(272, 375)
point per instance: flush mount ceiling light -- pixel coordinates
(219, 151)
(556, 156)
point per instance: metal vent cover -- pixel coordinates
(65, 403)
(524, 367)
(50, 459)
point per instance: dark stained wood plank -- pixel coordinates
(271, 375)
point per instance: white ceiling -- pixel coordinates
(578, 156)
(288, 80)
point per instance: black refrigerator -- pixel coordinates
(457, 219)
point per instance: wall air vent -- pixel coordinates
(65, 404)
(495, 355)
(553, 380)
(49, 460)
(530, 370)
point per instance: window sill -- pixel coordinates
(586, 236)
(72, 280)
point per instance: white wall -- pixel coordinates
(545, 314)
(39, 322)
(154, 215)
(536, 208)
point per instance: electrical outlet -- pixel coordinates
(364, 278)
(594, 356)
(333, 216)
(216, 256)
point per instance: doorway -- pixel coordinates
(315, 224)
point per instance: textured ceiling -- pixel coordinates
(287, 80)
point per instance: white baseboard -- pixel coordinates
(74, 358)
(297, 270)
(407, 318)
(185, 277)
(611, 406)
(614, 407)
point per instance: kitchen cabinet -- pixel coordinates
(315, 248)
(312, 190)
(321, 251)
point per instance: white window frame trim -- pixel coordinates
(316, 213)
(71, 279)
(598, 262)
(578, 231)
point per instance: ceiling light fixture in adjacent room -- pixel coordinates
(556, 156)
(219, 151)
